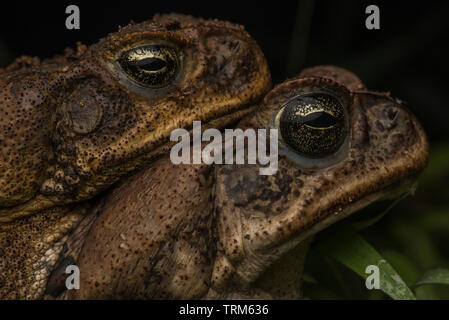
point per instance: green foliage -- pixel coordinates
(355, 253)
(410, 245)
(436, 276)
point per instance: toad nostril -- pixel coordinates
(389, 117)
(392, 114)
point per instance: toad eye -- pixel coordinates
(313, 126)
(153, 66)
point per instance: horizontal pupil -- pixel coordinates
(319, 120)
(150, 64)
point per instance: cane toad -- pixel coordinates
(73, 125)
(224, 231)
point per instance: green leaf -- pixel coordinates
(435, 276)
(346, 246)
(402, 264)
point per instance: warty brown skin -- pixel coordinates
(45, 162)
(73, 125)
(224, 231)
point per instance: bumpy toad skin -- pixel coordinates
(197, 231)
(73, 125)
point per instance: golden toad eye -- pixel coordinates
(313, 125)
(153, 66)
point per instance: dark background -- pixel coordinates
(408, 56)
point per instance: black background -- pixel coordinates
(407, 56)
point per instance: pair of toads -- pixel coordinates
(86, 180)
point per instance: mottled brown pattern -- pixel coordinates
(156, 241)
(73, 125)
(30, 248)
(263, 224)
(377, 160)
(47, 159)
